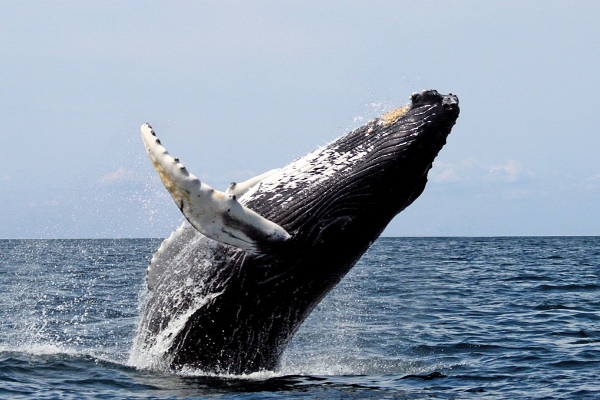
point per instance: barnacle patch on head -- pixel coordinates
(392, 116)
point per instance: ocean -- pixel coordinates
(505, 318)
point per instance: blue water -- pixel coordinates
(416, 318)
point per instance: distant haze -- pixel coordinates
(236, 88)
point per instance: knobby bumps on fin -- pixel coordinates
(217, 215)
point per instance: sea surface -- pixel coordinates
(506, 318)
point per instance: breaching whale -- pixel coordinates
(228, 291)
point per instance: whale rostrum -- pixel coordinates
(228, 292)
(217, 215)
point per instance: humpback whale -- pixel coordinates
(228, 291)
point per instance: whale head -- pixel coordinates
(350, 189)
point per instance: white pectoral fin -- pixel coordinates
(215, 214)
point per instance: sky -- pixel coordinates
(235, 88)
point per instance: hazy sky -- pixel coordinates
(236, 88)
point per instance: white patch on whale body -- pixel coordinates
(306, 172)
